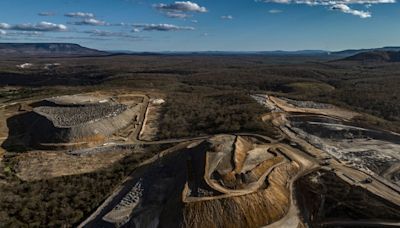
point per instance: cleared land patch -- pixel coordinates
(46, 165)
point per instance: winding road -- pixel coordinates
(309, 162)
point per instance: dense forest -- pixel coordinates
(64, 201)
(195, 113)
(372, 88)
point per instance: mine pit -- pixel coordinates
(335, 202)
(370, 150)
(199, 183)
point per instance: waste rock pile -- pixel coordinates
(224, 181)
(78, 118)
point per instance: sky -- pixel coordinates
(204, 25)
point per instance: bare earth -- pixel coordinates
(45, 165)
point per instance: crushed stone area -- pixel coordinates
(307, 104)
(360, 148)
(71, 116)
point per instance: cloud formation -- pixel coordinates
(39, 27)
(180, 9)
(21, 33)
(79, 15)
(181, 6)
(330, 2)
(162, 27)
(345, 9)
(177, 15)
(340, 5)
(90, 21)
(101, 33)
(227, 17)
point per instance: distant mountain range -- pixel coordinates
(46, 50)
(351, 52)
(68, 49)
(221, 53)
(337, 54)
(375, 56)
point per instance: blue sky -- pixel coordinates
(203, 25)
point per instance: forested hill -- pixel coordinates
(47, 50)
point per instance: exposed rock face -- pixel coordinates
(244, 185)
(74, 118)
(232, 166)
(224, 181)
(256, 209)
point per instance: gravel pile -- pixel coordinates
(121, 214)
(71, 116)
(307, 104)
(133, 197)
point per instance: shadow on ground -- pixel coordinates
(18, 137)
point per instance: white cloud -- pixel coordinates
(101, 33)
(330, 2)
(340, 5)
(5, 26)
(275, 11)
(181, 6)
(227, 17)
(177, 15)
(346, 9)
(90, 21)
(25, 33)
(39, 27)
(80, 15)
(162, 27)
(2, 32)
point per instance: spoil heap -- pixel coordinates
(224, 181)
(242, 184)
(232, 166)
(78, 118)
(72, 116)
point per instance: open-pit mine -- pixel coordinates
(321, 170)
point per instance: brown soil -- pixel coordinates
(150, 127)
(252, 210)
(45, 165)
(334, 111)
